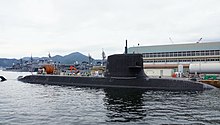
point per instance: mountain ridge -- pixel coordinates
(66, 59)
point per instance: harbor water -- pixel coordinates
(33, 104)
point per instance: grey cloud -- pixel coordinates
(75, 25)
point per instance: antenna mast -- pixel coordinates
(126, 47)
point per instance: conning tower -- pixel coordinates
(125, 65)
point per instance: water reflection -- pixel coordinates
(124, 105)
(22, 103)
(154, 107)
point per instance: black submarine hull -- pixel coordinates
(118, 82)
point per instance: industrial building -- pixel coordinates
(164, 60)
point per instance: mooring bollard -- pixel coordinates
(2, 78)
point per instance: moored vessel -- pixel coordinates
(122, 71)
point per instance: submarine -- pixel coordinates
(122, 71)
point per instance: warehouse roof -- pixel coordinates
(175, 47)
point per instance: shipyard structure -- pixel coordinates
(165, 60)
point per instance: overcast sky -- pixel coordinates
(61, 27)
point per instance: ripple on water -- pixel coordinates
(22, 103)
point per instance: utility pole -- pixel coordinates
(103, 57)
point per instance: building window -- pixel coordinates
(167, 54)
(217, 52)
(171, 54)
(206, 52)
(188, 53)
(212, 52)
(193, 53)
(202, 53)
(179, 54)
(197, 53)
(184, 53)
(175, 54)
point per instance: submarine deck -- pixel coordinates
(118, 82)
